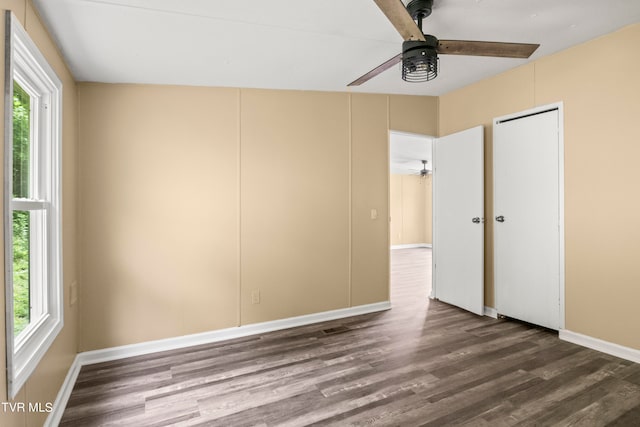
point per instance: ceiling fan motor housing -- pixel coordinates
(420, 59)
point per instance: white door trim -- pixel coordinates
(537, 110)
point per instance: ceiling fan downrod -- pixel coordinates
(419, 9)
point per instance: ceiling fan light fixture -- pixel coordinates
(420, 61)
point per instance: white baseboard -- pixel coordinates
(121, 352)
(63, 394)
(412, 246)
(490, 312)
(617, 350)
(114, 353)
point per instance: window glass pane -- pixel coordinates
(21, 141)
(21, 271)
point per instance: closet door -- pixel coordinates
(527, 228)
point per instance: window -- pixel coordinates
(32, 205)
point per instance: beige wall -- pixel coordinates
(602, 234)
(295, 203)
(411, 209)
(196, 199)
(159, 212)
(44, 383)
(370, 190)
(414, 114)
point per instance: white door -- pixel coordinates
(526, 163)
(458, 216)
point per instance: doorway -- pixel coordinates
(455, 198)
(411, 234)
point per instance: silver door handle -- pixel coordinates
(476, 220)
(500, 218)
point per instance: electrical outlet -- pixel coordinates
(73, 293)
(374, 214)
(255, 297)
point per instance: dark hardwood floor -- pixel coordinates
(421, 363)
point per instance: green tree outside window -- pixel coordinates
(21, 223)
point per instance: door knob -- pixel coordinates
(500, 218)
(476, 220)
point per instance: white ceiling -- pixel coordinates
(406, 152)
(305, 44)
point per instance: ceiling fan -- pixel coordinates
(420, 51)
(424, 171)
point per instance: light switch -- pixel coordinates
(255, 296)
(374, 214)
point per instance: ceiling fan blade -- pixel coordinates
(478, 48)
(379, 69)
(397, 13)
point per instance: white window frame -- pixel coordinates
(25, 64)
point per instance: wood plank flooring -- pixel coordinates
(423, 363)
